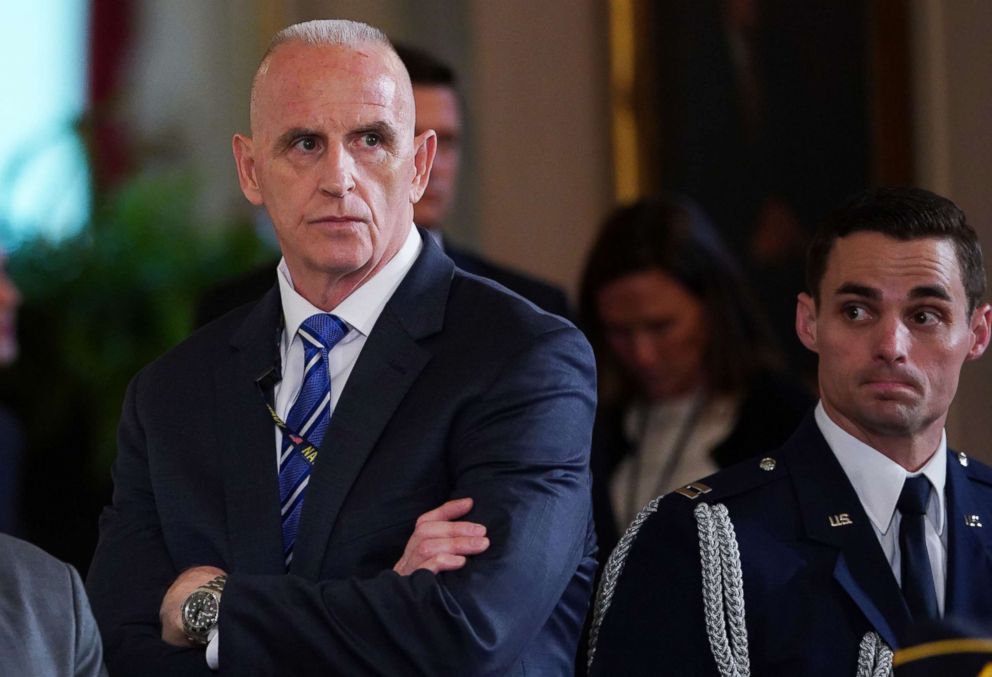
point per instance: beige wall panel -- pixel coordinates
(542, 131)
(953, 69)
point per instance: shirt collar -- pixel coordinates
(361, 309)
(877, 479)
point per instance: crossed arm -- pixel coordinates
(439, 543)
(520, 451)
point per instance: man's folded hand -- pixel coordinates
(439, 543)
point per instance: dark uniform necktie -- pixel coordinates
(307, 421)
(917, 578)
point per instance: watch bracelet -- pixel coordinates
(216, 584)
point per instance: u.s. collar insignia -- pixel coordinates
(963, 458)
(841, 520)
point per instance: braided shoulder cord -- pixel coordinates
(611, 574)
(733, 591)
(723, 595)
(723, 590)
(874, 657)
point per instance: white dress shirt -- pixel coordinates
(359, 311)
(878, 481)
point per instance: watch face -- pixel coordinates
(200, 611)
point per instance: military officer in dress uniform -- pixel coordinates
(819, 557)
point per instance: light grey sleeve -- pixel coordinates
(88, 648)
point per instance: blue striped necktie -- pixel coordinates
(307, 421)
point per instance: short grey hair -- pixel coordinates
(323, 32)
(329, 32)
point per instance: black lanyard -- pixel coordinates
(266, 381)
(308, 450)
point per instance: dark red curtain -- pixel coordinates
(110, 32)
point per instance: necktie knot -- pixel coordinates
(323, 330)
(915, 495)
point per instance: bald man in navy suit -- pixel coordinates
(420, 385)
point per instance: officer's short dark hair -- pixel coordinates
(903, 214)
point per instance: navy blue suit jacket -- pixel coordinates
(811, 590)
(461, 390)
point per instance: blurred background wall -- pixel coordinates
(553, 140)
(952, 144)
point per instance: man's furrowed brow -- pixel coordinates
(287, 138)
(925, 291)
(384, 129)
(854, 289)
(928, 291)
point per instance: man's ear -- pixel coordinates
(806, 321)
(981, 320)
(425, 147)
(244, 160)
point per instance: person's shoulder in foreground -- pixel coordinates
(46, 627)
(946, 648)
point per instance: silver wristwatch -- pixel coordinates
(201, 610)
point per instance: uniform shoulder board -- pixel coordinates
(736, 479)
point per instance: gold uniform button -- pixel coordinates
(767, 464)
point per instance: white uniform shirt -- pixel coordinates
(878, 481)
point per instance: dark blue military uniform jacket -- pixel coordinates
(815, 578)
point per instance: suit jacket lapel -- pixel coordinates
(389, 364)
(969, 562)
(832, 514)
(246, 432)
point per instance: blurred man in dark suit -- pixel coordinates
(439, 107)
(272, 467)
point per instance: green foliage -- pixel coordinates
(100, 305)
